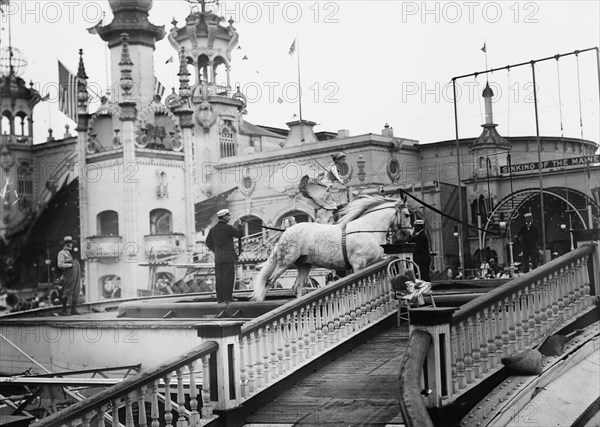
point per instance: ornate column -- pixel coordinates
(83, 118)
(185, 113)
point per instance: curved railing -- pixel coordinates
(469, 342)
(144, 388)
(412, 405)
(283, 340)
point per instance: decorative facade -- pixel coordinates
(146, 177)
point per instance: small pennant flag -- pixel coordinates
(292, 48)
(168, 61)
(483, 48)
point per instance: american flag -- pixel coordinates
(159, 89)
(67, 92)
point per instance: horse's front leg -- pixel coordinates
(303, 272)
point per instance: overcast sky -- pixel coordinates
(363, 63)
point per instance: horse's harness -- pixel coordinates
(397, 220)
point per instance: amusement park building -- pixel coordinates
(142, 178)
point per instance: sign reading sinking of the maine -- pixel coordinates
(552, 164)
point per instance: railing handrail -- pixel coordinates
(412, 406)
(79, 409)
(312, 296)
(519, 283)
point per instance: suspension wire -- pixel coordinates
(559, 98)
(564, 144)
(587, 161)
(579, 96)
(508, 103)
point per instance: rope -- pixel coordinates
(428, 206)
(263, 226)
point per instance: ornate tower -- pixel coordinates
(136, 189)
(17, 101)
(205, 42)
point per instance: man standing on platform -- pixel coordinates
(528, 237)
(421, 256)
(220, 242)
(71, 276)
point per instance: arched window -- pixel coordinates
(24, 186)
(226, 140)
(203, 62)
(21, 124)
(252, 226)
(299, 216)
(161, 222)
(482, 208)
(107, 223)
(5, 124)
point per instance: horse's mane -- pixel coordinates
(360, 205)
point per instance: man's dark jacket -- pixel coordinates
(220, 241)
(421, 256)
(528, 238)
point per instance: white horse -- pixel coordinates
(353, 241)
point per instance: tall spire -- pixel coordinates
(81, 68)
(488, 94)
(82, 93)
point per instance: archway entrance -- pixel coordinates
(565, 210)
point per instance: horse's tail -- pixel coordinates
(260, 282)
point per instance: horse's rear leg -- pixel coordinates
(279, 270)
(303, 272)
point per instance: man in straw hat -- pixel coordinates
(421, 255)
(71, 276)
(220, 242)
(528, 237)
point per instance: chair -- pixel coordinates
(397, 268)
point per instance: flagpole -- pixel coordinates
(299, 85)
(486, 58)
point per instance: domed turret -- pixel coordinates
(16, 99)
(208, 42)
(143, 5)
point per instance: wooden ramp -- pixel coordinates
(358, 388)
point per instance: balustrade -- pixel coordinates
(249, 357)
(145, 388)
(277, 343)
(503, 322)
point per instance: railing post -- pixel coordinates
(591, 236)
(227, 361)
(436, 322)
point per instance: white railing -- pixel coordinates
(279, 342)
(185, 373)
(469, 343)
(249, 358)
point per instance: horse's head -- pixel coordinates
(402, 222)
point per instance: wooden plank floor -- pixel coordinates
(359, 388)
